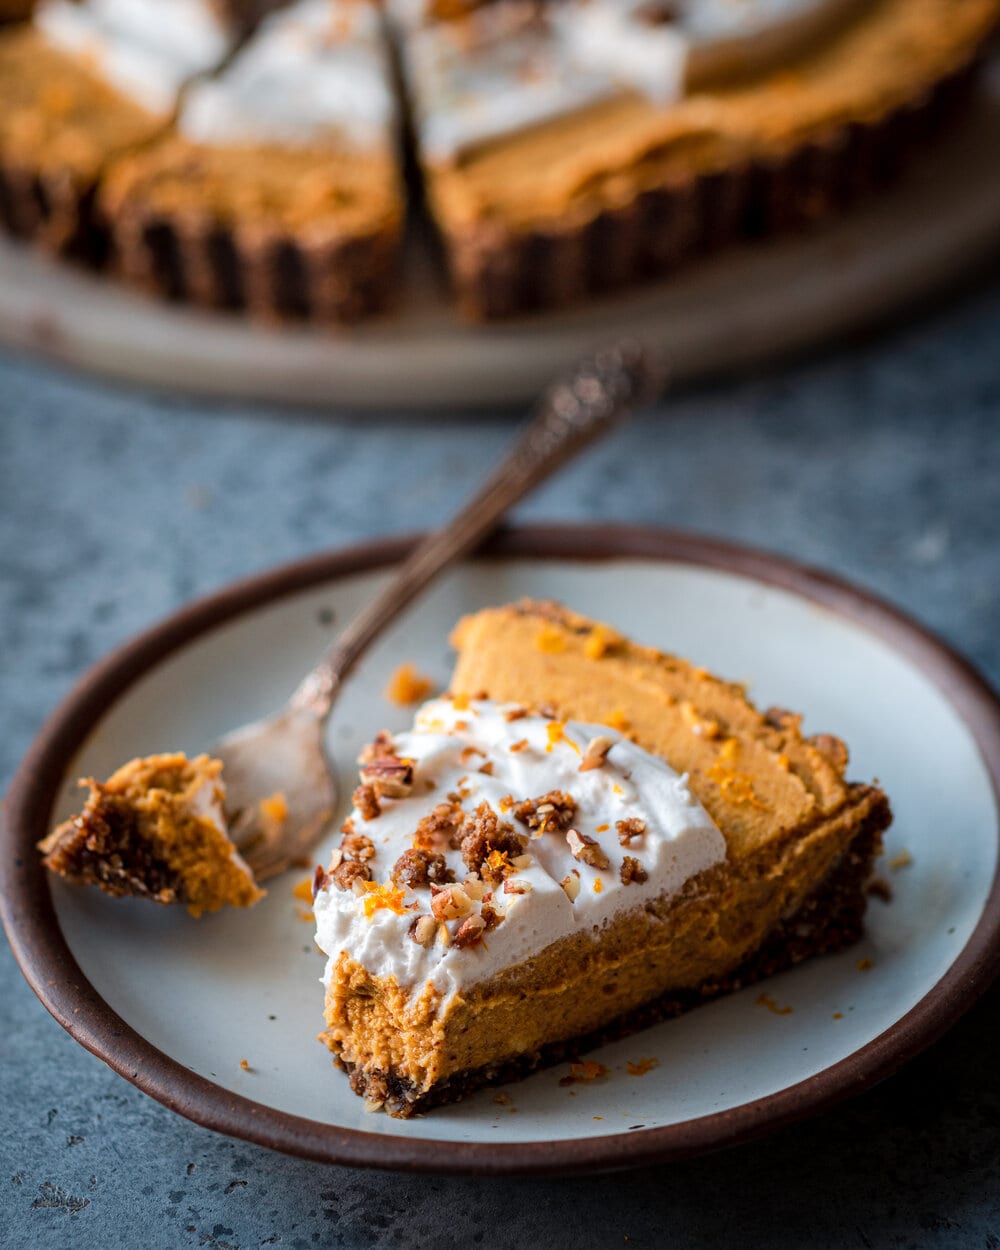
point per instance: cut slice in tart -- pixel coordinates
(278, 189)
(577, 147)
(81, 84)
(156, 830)
(584, 837)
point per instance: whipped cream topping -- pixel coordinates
(316, 70)
(526, 758)
(208, 802)
(505, 67)
(146, 50)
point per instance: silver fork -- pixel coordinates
(285, 752)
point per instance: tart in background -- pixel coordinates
(80, 85)
(583, 147)
(277, 190)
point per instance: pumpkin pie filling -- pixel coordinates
(584, 837)
(618, 145)
(156, 830)
(277, 190)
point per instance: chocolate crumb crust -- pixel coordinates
(830, 919)
(497, 273)
(270, 274)
(108, 850)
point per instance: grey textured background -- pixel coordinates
(880, 461)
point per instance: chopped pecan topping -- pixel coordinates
(365, 799)
(596, 753)
(450, 902)
(474, 887)
(470, 931)
(514, 885)
(631, 870)
(381, 747)
(490, 916)
(487, 768)
(520, 745)
(629, 829)
(586, 849)
(486, 833)
(358, 847)
(515, 713)
(320, 880)
(349, 871)
(571, 884)
(390, 777)
(441, 829)
(467, 753)
(423, 930)
(549, 813)
(416, 868)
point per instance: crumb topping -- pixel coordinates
(632, 871)
(549, 813)
(630, 829)
(416, 868)
(365, 799)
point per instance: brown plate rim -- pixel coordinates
(48, 965)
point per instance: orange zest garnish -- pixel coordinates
(304, 889)
(765, 1000)
(598, 885)
(618, 720)
(734, 786)
(385, 895)
(588, 1070)
(556, 732)
(498, 861)
(407, 686)
(274, 811)
(550, 640)
(461, 702)
(599, 642)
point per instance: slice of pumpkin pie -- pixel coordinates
(584, 837)
(81, 84)
(155, 829)
(278, 189)
(577, 146)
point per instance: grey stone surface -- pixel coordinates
(880, 461)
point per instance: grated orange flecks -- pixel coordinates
(602, 828)
(550, 640)
(407, 685)
(599, 642)
(734, 786)
(460, 702)
(586, 1071)
(556, 732)
(386, 896)
(498, 861)
(617, 719)
(598, 885)
(304, 889)
(765, 1000)
(274, 811)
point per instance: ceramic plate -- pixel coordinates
(174, 1005)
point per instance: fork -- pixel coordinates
(285, 752)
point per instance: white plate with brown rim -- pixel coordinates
(175, 1005)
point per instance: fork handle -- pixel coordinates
(601, 391)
